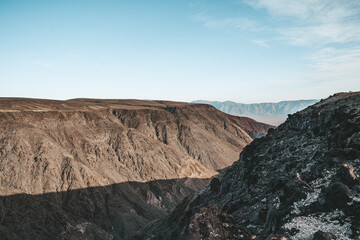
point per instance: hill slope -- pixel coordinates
(298, 182)
(107, 167)
(272, 113)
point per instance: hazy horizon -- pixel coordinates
(235, 50)
(191, 101)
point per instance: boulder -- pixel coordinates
(337, 195)
(346, 175)
(321, 235)
(276, 237)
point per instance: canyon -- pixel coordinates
(103, 169)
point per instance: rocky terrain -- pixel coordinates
(300, 181)
(272, 113)
(103, 169)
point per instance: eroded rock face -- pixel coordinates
(102, 169)
(301, 178)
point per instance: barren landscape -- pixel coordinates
(110, 165)
(298, 182)
(180, 120)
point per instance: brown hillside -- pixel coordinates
(49, 146)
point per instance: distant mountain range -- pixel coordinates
(271, 113)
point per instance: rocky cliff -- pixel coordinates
(102, 169)
(300, 181)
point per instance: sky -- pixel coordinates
(237, 50)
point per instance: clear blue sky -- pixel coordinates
(244, 51)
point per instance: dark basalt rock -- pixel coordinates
(276, 237)
(215, 185)
(337, 195)
(299, 177)
(321, 235)
(347, 176)
(295, 190)
(258, 217)
(211, 223)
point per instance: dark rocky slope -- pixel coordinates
(298, 182)
(102, 169)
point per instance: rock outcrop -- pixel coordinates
(300, 181)
(102, 169)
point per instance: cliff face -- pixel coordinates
(107, 167)
(300, 181)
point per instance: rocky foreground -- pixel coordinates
(103, 169)
(300, 181)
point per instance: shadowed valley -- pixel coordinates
(105, 168)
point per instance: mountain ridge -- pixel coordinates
(273, 113)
